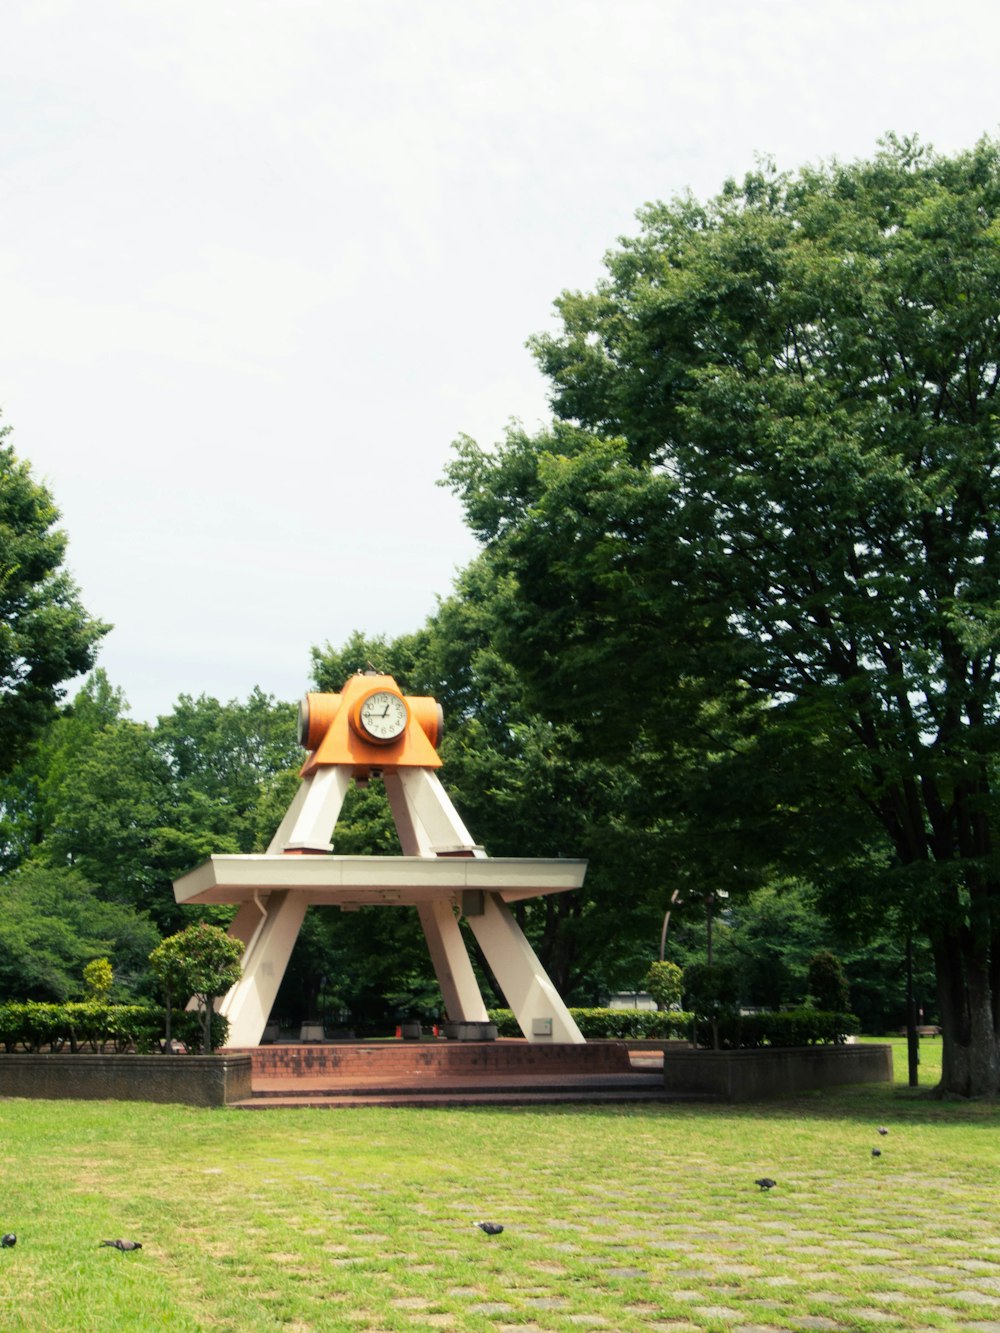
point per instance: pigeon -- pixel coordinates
(882, 1130)
(766, 1183)
(8, 1241)
(122, 1245)
(876, 1152)
(491, 1228)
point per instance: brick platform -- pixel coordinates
(442, 1073)
(380, 1060)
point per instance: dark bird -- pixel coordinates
(491, 1228)
(8, 1241)
(876, 1152)
(766, 1183)
(123, 1245)
(882, 1130)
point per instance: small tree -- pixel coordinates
(201, 961)
(97, 978)
(827, 983)
(664, 981)
(712, 994)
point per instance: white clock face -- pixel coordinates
(383, 715)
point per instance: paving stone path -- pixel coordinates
(633, 1232)
(734, 1268)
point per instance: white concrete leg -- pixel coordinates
(524, 982)
(431, 809)
(248, 1004)
(247, 919)
(463, 1000)
(413, 839)
(317, 815)
(289, 819)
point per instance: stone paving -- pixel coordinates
(653, 1222)
(626, 1261)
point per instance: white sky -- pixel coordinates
(261, 262)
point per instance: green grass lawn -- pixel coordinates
(629, 1218)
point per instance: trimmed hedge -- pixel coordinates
(613, 1024)
(787, 1027)
(93, 1025)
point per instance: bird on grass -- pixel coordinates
(766, 1183)
(123, 1245)
(8, 1241)
(882, 1130)
(876, 1152)
(491, 1228)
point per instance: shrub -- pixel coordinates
(89, 1024)
(610, 1024)
(664, 981)
(202, 961)
(97, 979)
(786, 1027)
(792, 1027)
(827, 983)
(713, 996)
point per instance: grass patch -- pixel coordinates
(630, 1218)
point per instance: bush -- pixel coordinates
(665, 982)
(610, 1024)
(93, 1025)
(786, 1027)
(828, 987)
(97, 979)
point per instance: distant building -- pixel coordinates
(632, 999)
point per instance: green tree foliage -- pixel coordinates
(712, 994)
(97, 978)
(828, 986)
(53, 924)
(770, 935)
(233, 770)
(664, 981)
(773, 493)
(46, 636)
(106, 814)
(134, 806)
(201, 961)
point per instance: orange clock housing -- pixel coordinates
(327, 729)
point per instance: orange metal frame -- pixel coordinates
(333, 734)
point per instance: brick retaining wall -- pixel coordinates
(195, 1080)
(445, 1058)
(775, 1071)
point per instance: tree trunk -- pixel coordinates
(970, 1058)
(206, 1045)
(168, 1027)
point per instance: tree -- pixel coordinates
(773, 491)
(46, 636)
(665, 981)
(201, 961)
(827, 982)
(233, 768)
(98, 976)
(52, 924)
(134, 806)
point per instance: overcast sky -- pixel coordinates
(261, 263)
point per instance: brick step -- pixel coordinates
(411, 1098)
(414, 1086)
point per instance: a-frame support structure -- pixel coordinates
(442, 872)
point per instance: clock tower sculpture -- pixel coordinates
(372, 730)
